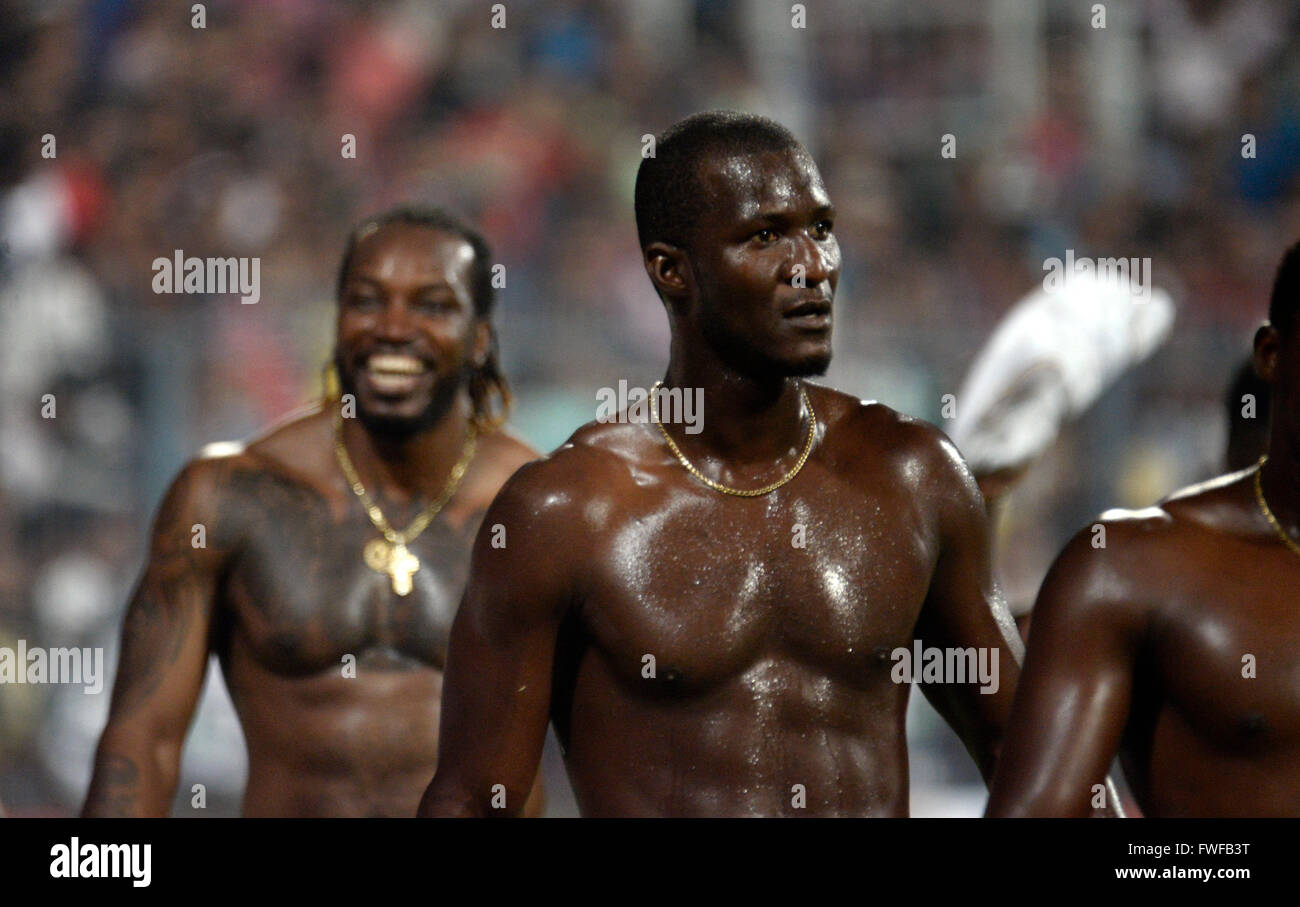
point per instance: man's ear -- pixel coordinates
(1268, 344)
(669, 270)
(482, 343)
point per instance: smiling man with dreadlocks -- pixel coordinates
(336, 549)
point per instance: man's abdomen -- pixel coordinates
(360, 743)
(779, 739)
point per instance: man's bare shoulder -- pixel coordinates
(505, 450)
(869, 421)
(1129, 557)
(1108, 571)
(224, 474)
(917, 453)
(1197, 512)
(205, 492)
(282, 446)
(499, 454)
(596, 462)
(301, 442)
(1222, 504)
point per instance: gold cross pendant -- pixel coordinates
(395, 560)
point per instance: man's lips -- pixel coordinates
(391, 374)
(813, 314)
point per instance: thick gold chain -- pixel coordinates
(1268, 514)
(372, 510)
(717, 486)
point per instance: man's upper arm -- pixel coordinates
(1075, 692)
(497, 686)
(164, 648)
(963, 610)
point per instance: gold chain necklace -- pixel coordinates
(1268, 514)
(390, 555)
(717, 486)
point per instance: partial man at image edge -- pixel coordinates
(1171, 635)
(710, 618)
(1247, 402)
(323, 561)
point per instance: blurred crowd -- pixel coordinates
(1171, 132)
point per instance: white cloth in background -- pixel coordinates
(1048, 360)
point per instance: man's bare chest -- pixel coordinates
(707, 589)
(301, 592)
(1227, 654)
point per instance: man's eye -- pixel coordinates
(765, 235)
(823, 228)
(365, 301)
(436, 304)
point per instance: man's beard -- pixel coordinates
(741, 356)
(402, 428)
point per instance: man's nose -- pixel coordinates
(395, 321)
(811, 259)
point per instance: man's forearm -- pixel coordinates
(450, 799)
(131, 779)
(447, 808)
(443, 801)
(1055, 800)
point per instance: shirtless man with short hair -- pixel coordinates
(1176, 640)
(710, 622)
(331, 624)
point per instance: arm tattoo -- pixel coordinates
(115, 787)
(164, 608)
(155, 628)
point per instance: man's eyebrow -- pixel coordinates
(434, 285)
(765, 217)
(776, 215)
(768, 213)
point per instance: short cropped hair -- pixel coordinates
(1284, 304)
(668, 188)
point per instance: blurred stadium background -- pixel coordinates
(1122, 140)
